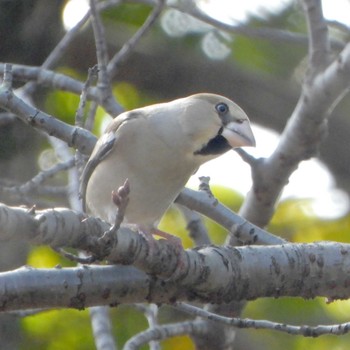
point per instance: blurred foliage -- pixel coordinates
(130, 14)
(263, 55)
(64, 104)
(57, 329)
(294, 220)
(43, 257)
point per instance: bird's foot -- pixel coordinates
(179, 250)
(176, 241)
(148, 236)
(149, 233)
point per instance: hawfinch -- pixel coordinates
(157, 148)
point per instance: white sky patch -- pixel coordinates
(73, 12)
(231, 11)
(338, 10)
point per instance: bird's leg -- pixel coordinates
(176, 241)
(179, 250)
(150, 232)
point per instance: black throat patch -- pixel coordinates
(217, 145)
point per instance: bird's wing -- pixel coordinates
(103, 147)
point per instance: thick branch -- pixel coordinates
(300, 139)
(216, 275)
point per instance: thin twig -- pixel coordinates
(7, 78)
(73, 136)
(248, 158)
(39, 178)
(129, 46)
(101, 48)
(164, 332)
(205, 187)
(63, 82)
(63, 151)
(319, 44)
(102, 328)
(195, 226)
(306, 331)
(12, 187)
(151, 313)
(239, 227)
(104, 82)
(79, 115)
(73, 257)
(58, 51)
(90, 119)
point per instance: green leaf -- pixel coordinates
(134, 14)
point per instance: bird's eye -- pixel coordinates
(240, 121)
(222, 108)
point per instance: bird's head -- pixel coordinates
(215, 124)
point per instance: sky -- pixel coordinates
(229, 170)
(236, 10)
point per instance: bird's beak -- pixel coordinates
(239, 135)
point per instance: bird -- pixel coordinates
(157, 148)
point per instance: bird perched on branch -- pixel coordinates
(157, 148)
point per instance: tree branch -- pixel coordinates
(300, 140)
(163, 332)
(101, 327)
(306, 331)
(104, 81)
(61, 82)
(319, 45)
(214, 274)
(101, 46)
(129, 46)
(38, 179)
(242, 231)
(73, 136)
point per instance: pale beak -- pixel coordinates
(239, 135)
